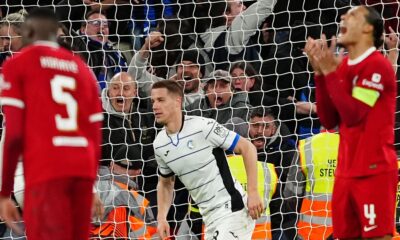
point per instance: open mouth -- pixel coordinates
(187, 78)
(100, 36)
(218, 101)
(120, 101)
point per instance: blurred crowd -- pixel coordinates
(238, 62)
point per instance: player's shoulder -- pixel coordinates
(378, 59)
(197, 121)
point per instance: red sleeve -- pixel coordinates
(13, 147)
(326, 111)
(11, 85)
(13, 108)
(351, 111)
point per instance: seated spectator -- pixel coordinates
(273, 146)
(220, 103)
(189, 70)
(104, 59)
(126, 214)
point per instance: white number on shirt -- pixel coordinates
(58, 84)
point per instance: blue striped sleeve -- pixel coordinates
(234, 143)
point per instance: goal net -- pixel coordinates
(240, 63)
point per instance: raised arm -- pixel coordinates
(246, 24)
(392, 42)
(138, 64)
(326, 110)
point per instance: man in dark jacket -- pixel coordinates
(219, 102)
(104, 59)
(127, 124)
(274, 145)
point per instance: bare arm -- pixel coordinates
(392, 42)
(165, 189)
(249, 153)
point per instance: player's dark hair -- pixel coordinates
(43, 14)
(375, 19)
(262, 112)
(172, 87)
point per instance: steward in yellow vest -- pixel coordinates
(266, 174)
(311, 179)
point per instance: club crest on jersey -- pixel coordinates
(190, 144)
(220, 131)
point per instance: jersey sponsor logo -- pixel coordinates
(3, 84)
(220, 131)
(372, 84)
(369, 228)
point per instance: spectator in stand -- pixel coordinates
(232, 26)
(273, 146)
(220, 102)
(247, 80)
(104, 59)
(10, 34)
(118, 12)
(309, 186)
(288, 82)
(144, 18)
(127, 213)
(72, 42)
(189, 70)
(127, 123)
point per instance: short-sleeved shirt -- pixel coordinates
(196, 156)
(367, 148)
(59, 96)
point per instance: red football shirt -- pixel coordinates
(366, 145)
(59, 98)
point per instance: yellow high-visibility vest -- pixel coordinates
(318, 161)
(267, 183)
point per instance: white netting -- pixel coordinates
(261, 50)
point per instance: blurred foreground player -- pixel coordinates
(59, 142)
(358, 93)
